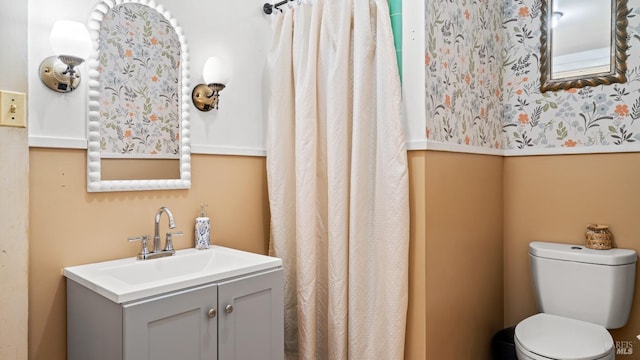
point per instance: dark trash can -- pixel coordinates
(503, 346)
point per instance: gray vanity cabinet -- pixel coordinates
(173, 326)
(251, 318)
(235, 319)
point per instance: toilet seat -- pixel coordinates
(523, 354)
(547, 336)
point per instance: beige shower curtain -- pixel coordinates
(338, 184)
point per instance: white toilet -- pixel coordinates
(580, 292)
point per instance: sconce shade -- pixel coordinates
(215, 71)
(70, 38)
(71, 43)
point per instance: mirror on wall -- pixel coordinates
(583, 43)
(138, 128)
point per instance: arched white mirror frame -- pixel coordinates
(94, 181)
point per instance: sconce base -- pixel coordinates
(53, 73)
(205, 97)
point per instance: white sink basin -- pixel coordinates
(130, 279)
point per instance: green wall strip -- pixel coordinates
(395, 9)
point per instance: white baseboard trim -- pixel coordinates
(80, 143)
(227, 150)
(573, 150)
(417, 145)
(439, 146)
(57, 142)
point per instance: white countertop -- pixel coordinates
(129, 279)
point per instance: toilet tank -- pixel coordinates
(585, 284)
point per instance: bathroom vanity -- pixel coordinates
(219, 303)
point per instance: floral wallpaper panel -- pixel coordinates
(483, 83)
(139, 73)
(602, 115)
(463, 60)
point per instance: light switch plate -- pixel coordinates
(13, 109)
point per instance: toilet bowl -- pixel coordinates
(547, 336)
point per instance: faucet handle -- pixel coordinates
(143, 239)
(168, 243)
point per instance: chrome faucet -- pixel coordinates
(156, 228)
(157, 251)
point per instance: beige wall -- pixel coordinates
(464, 288)
(415, 346)
(456, 288)
(456, 251)
(70, 226)
(553, 198)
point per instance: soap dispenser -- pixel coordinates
(203, 230)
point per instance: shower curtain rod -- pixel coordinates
(268, 8)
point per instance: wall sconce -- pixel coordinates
(216, 75)
(71, 43)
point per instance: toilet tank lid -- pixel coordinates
(582, 254)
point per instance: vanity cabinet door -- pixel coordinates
(180, 325)
(251, 320)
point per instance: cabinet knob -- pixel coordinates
(212, 313)
(228, 309)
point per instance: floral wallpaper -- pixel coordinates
(483, 81)
(602, 115)
(139, 73)
(464, 72)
